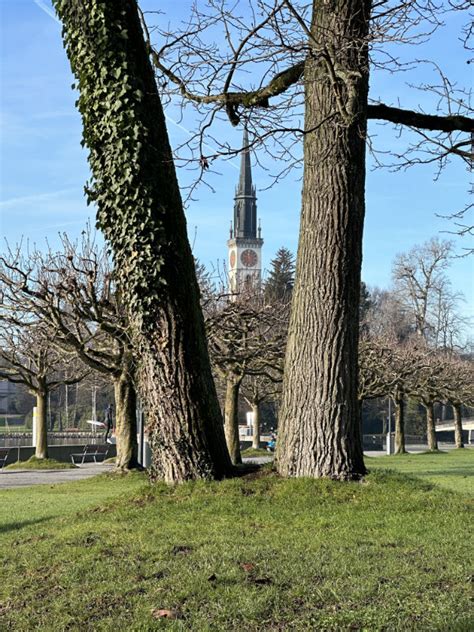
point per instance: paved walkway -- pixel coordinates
(24, 478)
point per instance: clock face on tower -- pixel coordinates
(249, 258)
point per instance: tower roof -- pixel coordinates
(245, 178)
(245, 207)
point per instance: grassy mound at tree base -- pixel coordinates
(254, 452)
(254, 553)
(40, 464)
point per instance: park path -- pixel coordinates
(10, 479)
(25, 478)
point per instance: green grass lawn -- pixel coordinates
(39, 464)
(254, 553)
(254, 452)
(450, 470)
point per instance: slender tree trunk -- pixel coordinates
(66, 404)
(399, 425)
(319, 429)
(231, 417)
(141, 214)
(41, 448)
(458, 426)
(256, 425)
(126, 422)
(430, 427)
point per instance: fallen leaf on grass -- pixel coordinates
(212, 578)
(163, 613)
(248, 567)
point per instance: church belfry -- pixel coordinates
(245, 243)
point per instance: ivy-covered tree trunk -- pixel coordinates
(430, 427)
(141, 215)
(256, 425)
(399, 425)
(41, 445)
(458, 426)
(319, 431)
(231, 417)
(126, 422)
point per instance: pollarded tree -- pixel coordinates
(73, 294)
(459, 391)
(140, 212)
(313, 56)
(246, 338)
(258, 389)
(28, 357)
(429, 384)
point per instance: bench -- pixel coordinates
(3, 456)
(91, 451)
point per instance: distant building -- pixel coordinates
(245, 242)
(7, 392)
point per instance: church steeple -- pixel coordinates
(245, 243)
(245, 205)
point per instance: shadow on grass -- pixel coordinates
(17, 525)
(452, 471)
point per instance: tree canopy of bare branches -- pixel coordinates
(302, 68)
(73, 294)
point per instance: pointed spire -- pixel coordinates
(245, 179)
(245, 208)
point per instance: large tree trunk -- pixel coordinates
(399, 425)
(126, 423)
(231, 417)
(430, 427)
(41, 447)
(458, 426)
(141, 214)
(256, 425)
(319, 429)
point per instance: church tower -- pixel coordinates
(245, 243)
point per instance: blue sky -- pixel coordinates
(43, 168)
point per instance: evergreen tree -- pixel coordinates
(281, 278)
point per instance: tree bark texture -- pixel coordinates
(126, 423)
(256, 426)
(430, 427)
(458, 426)
(319, 432)
(41, 448)
(231, 418)
(151, 249)
(399, 425)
